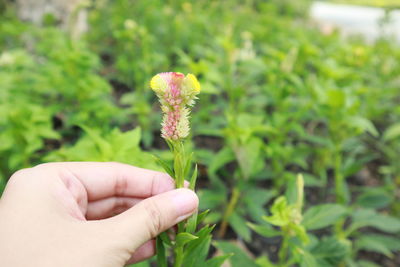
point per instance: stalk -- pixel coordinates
(340, 194)
(178, 256)
(282, 254)
(339, 179)
(228, 212)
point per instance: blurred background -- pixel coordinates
(288, 87)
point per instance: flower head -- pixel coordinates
(177, 93)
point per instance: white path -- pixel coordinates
(358, 20)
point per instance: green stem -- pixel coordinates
(228, 212)
(178, 256)
(339, 179)
(180, 161)
(284, 247)
(339, 191)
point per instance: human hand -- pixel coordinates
(87, 214)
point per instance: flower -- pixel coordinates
(177, 93)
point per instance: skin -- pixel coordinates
(87, 214)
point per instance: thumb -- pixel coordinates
(154, 215)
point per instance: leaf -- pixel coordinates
(218, 261)
(210, 199)
(165, 166)
(264, 261)
(188, 165)
(202, 216)
(392, 132)
(161, 257)
(321, 216)
(193, 179)
(367, 217)
(363, 124)
(255, 198)
(238, 224)
(363, 263)
(165, 238)
(239, 258)
(184, 238)
(280, 213)
(392, 243)
(374, 198)
(223, 157)
(330, 251)
(196, 251)
(308, 260)
(192, 223)
(264, 230)
(369, 243)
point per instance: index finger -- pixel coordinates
(107, 179)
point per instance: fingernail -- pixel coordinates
(186, 202)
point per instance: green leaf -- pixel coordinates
(370, 243)
(218, 261)
(192, 223)
(264, 230)
(210, 199)
(374, 198)
(239, 258)
(264, 261)
(165, 166)
(363, 263)
(280, 213)
(193, 178)
(223, 157)
(390, 242)
(330, 251)
(196, 251)
(161, 256)
(165, 238)
(255, 199)
(367, 217)
(188, 165)
(238, 224)
(321, 216)
(363, 125)
(308, 260)
(202, 216)
(392, 132)
(184, 238)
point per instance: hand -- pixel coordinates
(87, 214)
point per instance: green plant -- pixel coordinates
(177, 93)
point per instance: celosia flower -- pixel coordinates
(176, 93)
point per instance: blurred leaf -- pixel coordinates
(183, 238)
(374, 198)
(238, 223)
(367, 217)
(321, 216)
(330, 251)
(264, 230)
(364, 125)
(370, 243)
(239, 258)
(392, 132)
